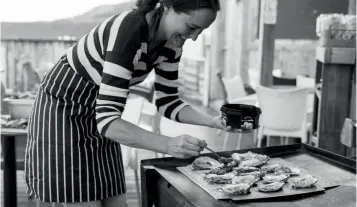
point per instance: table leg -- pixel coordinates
(9, 169)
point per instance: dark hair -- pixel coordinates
(178, 6)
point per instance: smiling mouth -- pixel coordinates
(183, 37)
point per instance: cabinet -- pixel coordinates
(335, 79)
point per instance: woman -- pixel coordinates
(75, 130)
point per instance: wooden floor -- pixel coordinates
(24, 201)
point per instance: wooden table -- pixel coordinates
(9, 164)
(163, 185)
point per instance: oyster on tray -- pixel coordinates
(270, 168)
(205, 163)
(240, 170)
(220, 170)
(259, 174)
(248, 179)
(306, 181)
(220, 179)
(275, 178)
(262, 158)
(244, 156)
(236, 189)
(271, 187)
(251, 163)
(287, 169)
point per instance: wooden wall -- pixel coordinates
(40, 54)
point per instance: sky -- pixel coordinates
(46, 10)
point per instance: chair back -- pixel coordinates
(234, 87)
(305, 82)
(282, 109)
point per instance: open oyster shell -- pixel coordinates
(306, 181)
(226, 160)
(259, 174)
(262, 158)
(244, 156)
(270, 168)
(236, 189)
(240, 170)
(205, 163)
(251, 163)
(236, 157)
(220, 170)
(287, 169)
(276, 178)
(248, 179)
(219, 179)
(271, 187)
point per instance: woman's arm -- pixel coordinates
(190, 115)
(131, 135)
(126, 133)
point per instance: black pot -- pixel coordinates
(234, 115)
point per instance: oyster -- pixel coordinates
(236, 157)
(262, 158)
(275, 178)
(248, 179)
(287, 169)
(240, 170)
(271, 187)
(226, 160)
(259, 174)
(306, 181)
(219, 179)
(251, 163)
(205, 163)
(232, 164)
(236, 189)
(219, 170)
(245, 156)
(269, 168)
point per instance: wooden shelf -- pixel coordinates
(336, 55)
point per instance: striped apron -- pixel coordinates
(66, 159)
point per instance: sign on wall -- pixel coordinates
(270, 11)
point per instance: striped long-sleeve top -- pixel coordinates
(114, 56)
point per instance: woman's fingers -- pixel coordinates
(195, 141)
(192, 147)
(190, 152)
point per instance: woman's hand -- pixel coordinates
(219, 123)
(185, 146)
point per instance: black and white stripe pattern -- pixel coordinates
(114, 56)
(67, 160)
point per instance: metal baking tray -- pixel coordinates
(213, 189)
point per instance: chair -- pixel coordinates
(309, 83)
(284, 113)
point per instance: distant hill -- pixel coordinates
(75, 26)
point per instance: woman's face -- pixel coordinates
(179, 27)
